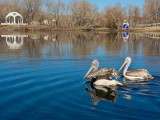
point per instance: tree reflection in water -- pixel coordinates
(83, 44)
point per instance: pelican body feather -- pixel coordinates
(138, 74)
(103, 77)
(110, 83)
(100, 73)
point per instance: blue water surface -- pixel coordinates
(41, 76)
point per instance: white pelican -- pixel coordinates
(138, 74)
(103, 76)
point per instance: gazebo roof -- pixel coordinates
(14, 14)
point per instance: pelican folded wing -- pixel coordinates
(137, 73)
(99, 73)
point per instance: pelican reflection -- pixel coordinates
(99, 93)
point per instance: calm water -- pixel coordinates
(41, 76)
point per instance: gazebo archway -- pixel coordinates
(14, 18)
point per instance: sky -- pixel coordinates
(102, 3)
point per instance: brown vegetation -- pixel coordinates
(80, 13)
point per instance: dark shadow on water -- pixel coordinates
(99, 93)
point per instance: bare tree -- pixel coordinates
(114, 16)
(136, 15)
(151, 11)
(32, 9)
(55, 8)
(66, 18)
(130, 14)
(83, 12)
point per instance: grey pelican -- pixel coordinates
(138, 74)
(103, 76)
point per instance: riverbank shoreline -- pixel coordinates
(45, 28)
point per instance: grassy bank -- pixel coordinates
(44, 28)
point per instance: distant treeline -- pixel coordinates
(79, 13)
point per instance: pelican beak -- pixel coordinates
(122, 66)
(90, 69)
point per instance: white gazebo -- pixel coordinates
(14, 18)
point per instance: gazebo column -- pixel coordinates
(14, 20)
(9, 21)
(19, 21)
(6, 20)
(10, 38)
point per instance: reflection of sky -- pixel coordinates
(56, 80)
(103, 47)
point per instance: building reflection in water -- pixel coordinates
(14, 41)
(78, 44)
(99, 93)
(48, 37)
(153, 35)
